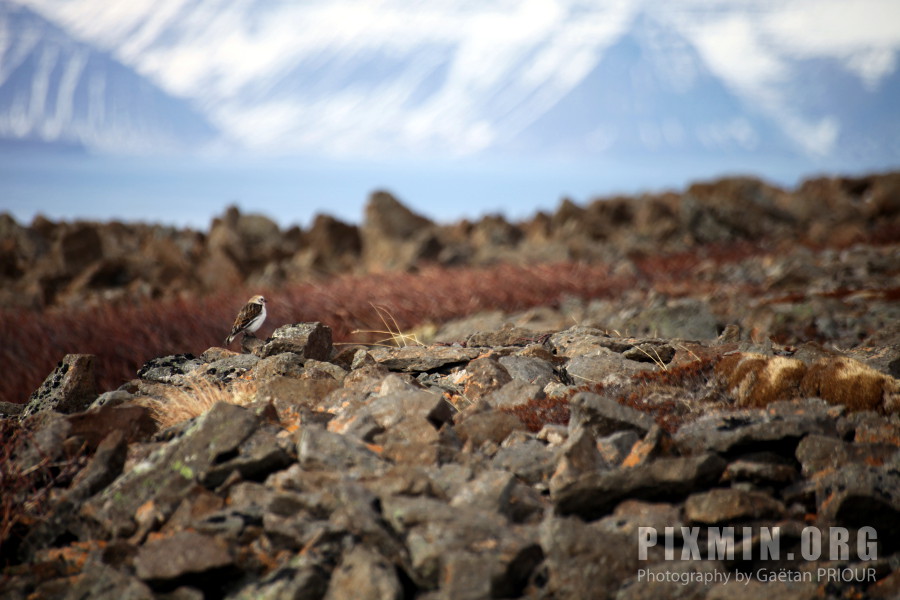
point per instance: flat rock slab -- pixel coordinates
(604, 416)
(729, 504)
(421, 358)
(779, 428)
(595, 494)
(182, 554)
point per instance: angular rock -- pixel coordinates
(529, 460)
(529, 369)
(291, 395)
(309, 340)
(185, 554)
(10, 409)
(490, 491)
(584, 561)
(435, 531)
(114, 398)
(492, 425)
(852, 496)
(578, 341)
(287, 364)
(103, 582)
(300, 579)
(508, 335)
(163, 480)
(260, 454)
(169, 369)
(818, 452)
(615, 447)
(595, 494)
(364, 575)
(602, 366)
(655, 353)
(319, 449)
(514, 393)
(229, 368)
(134, 422)
(779, 428)
(728, 505)
(104, 466)
(578, 455)
(483, 376)
(70, 388)
(656, 443)
(604, 416)
(760, 472)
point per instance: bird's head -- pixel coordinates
(257, 300)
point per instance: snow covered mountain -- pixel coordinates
(456, 78)
(60, 92)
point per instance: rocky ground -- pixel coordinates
(46, 264)
(586, 427)
(514, 463)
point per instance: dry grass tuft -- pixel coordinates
(395, 336)
(180, 404)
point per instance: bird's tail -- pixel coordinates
(229, 339)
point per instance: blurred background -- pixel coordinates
(168, 110)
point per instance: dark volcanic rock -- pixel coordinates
(584, 561)
(169, 369)
(595, 494)
(319, 449)
(421, 358)
(364, 575)
(483, 376)
(134, 422)
(422, 480)
(171, 472)
(70, 388)
(853, 496)
(778, 428)
(310, 340)
(727, 505)
(529, 369)
(603, 416)
(165, 561)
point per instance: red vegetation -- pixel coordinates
(124, 337)
(686, 380)
(538, 412)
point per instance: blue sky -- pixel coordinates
(318, 103)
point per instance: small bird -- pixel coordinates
(249, 319)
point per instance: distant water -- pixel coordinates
(189, 191)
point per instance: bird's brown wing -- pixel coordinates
(246, 316)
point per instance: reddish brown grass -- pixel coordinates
(124, 337)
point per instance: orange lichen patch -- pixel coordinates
(756, 380)
(71, 557)
(638, 455)
(376, 448)
(882, 433)
(841, 380)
